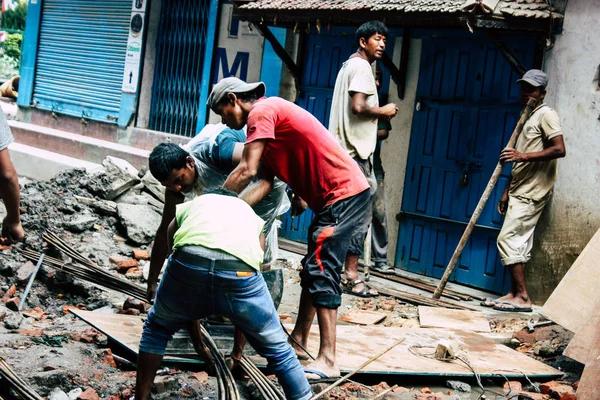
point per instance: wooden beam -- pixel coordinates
(280, 51)
(508, 54)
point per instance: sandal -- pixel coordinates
(366, 291)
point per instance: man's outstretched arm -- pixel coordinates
(247, 169)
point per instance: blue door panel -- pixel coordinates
(467, 107)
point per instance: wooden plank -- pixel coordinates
(576, 296)
(356, 344)
(589, 386)
(435, 317)
(582, 346)
(363, 317)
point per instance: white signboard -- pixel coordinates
(133, 55)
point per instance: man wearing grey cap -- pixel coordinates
(533, 174)
(286, 141)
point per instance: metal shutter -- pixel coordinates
(81, 57)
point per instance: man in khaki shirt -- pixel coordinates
(534, 172)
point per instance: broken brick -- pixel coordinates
(201, 377)
(426, 390)
(31, 332)
(134, 273)
(106, 357)
(556, 390)
(387, 305)
(3, 247)
(512, 386)
(9, 293)
(36, 313)
(13, 303)
(89, 394)
(126, 265)
(139, 254)
(134, 303)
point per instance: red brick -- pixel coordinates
(140, 254)
(13, 303)
(106, 357)
(36, 313)
(134, 273)
(9, 293)
(89, 394)
(31, 332)
(126, 265)
(557, 390)
(426, 390)
(513, 386)
(130, 311)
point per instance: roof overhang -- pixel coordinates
(515, 15)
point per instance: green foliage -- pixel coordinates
(8, 66)
(12, 45)
(15, 19)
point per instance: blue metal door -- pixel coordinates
(324, 55)
(180, 52)
(467, 107)
(81, 57)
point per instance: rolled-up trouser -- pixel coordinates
(379, 234)
(357, 243)
(516, 236)
(329, 236)
(189, 292)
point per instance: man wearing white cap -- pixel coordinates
(533, 174)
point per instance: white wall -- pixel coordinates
(248, 43)
(573, 215)
(394, 151)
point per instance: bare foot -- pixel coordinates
(329, 371)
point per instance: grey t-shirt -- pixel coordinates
(6, 136)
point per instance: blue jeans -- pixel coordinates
(190, 292)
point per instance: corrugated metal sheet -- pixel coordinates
(81, 57)
(179, 62)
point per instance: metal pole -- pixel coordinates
(30, 283)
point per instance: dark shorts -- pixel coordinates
(357, 242)
(329, 237)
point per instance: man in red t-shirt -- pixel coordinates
(286, 141)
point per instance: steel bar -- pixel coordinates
(30, 283)
(482, 201)
(345, 377)
(420, 300)
(276, 392)
(18, 384)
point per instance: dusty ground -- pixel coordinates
(53, 351)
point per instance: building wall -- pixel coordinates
(239, 56)
(573, 216)
(394, 151)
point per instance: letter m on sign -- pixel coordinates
(239, 67)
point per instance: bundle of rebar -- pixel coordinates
(264, 384)
(9, 379)
(85, 269)
(417, 299)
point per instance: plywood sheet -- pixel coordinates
(127, 330)
(589, 386)
(576, 296)
(357, 344)
(436, 317)
(362, 317)
(586, 343)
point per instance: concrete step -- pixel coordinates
(76, 146)
(39, 164)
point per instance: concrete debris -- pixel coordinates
(74, 394)
(111, 183)
(80, 223)
(163, 384)
(24, 272)
(153, 186)
(12, 320)
(58, 394)
(140, 222)
(50, 379)
(88, 394)
(121, 164)
(104, 207)
(459, 386)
